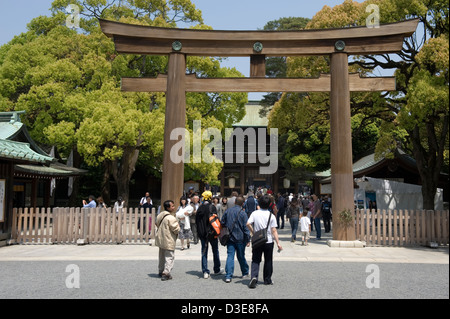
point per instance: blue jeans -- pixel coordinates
(215, 249)
(239, 249)
(317, 225)
(294, 227)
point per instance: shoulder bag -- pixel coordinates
(260, 237)
(225, 233)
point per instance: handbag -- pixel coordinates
(224, 235)
(260, 237)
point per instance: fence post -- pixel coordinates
(84, 227)
(152, 236)
(13, 238)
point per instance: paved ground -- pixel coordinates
(316, 251)
(313, 271)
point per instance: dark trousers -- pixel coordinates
(327, 222)
(280, 215)
(267, 250)
(194, 232)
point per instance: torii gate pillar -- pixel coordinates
(341, 144)
(172, 175)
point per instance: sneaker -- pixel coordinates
(220, 272)
(253, 283)
(228, 280)
(166, 277)
(205, 275)
(247, 276)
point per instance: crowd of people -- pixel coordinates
(189, 221)
(243, 216)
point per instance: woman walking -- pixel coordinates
(183, 214)
(293, 213)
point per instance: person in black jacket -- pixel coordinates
(205, 210)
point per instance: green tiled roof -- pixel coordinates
(362, 164)
(44, 170)
(367, 162)
(55, 169)
(9, 129)
(21, 151)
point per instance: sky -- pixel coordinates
(219, 14)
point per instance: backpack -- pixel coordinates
(250, 205)
(326, 207)
(214, 225)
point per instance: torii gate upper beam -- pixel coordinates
(137, 39)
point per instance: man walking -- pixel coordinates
(326, 214)
(316, 214)
(205, 210)
(281, 207)
(261, 219)
(235, 219)
(166, 238)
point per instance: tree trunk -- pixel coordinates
(73, 198)
(122, 171)
(429, 160)
(428, 194)
(106, 194)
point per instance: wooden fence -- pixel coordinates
(82, 226)
(402, 227)
(104, 226)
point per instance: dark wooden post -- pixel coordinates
(257, 66)
(173, 174)
(341, 144)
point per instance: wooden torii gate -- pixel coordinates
(336, 43)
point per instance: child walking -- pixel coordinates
(305, 227)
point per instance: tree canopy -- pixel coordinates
(68, 82)
(415, 117)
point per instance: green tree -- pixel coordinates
(69, 84)
(419, 108)
(276, 67)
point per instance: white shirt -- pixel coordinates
(259, 219)
(144, 200)
(304, 223)
(182, 217)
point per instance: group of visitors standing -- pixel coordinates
(242, 217)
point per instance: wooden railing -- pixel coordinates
(82, 226)
(130, 226)
(402, 227)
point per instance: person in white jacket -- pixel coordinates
(183, 214)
